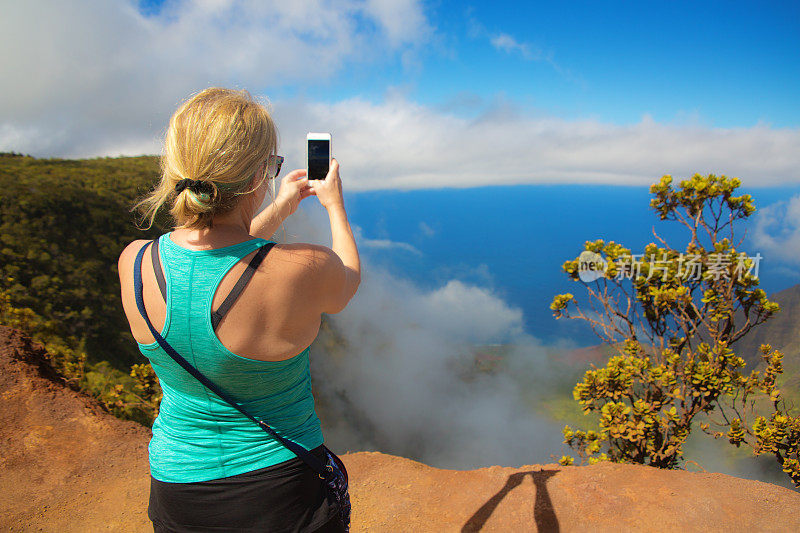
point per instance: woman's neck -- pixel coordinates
(224, 232)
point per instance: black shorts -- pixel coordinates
(287, 497)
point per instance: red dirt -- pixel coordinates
(70, 466)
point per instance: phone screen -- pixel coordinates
(319, 153)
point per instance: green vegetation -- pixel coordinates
(674, 318)
(63, 224)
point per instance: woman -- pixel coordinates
(212, 468)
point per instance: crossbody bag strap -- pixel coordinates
(301, 452)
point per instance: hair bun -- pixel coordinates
(196, 186)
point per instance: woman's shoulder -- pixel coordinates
(128, 253)
(310, 268)
(306, 256)
(315, 274)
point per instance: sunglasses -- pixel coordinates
(274, 166)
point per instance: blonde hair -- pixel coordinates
(220, 137)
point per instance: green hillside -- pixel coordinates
(63, 224)
(782, 331)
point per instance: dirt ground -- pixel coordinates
(67, 465)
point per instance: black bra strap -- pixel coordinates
(156, 259)
(216, 316)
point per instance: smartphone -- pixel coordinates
(319, 155)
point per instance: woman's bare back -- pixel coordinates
(276, 316)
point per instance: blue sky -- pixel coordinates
(727, 64)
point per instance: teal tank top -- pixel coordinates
(198, 436)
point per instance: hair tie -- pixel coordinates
(196, 186)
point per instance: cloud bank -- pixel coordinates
(396, 382)
(99, 78)
(399, 144)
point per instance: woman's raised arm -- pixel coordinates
(344, 271)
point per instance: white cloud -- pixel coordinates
(97, 77)
(401, 21)
(470, 313)
(388, 244)
(776, 231)
(507, 43)
(426, 229)
(530, 52)
(383, 244)
(404, 145)
(395, 382)
(786, 271)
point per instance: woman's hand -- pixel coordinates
(294, 187)
(329, 190)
